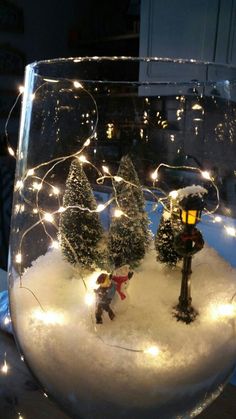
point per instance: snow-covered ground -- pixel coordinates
(143, 363)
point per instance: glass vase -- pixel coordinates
(122, 257)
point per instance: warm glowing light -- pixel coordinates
(7, 320)
(37, 186)
(196, 107)
(217, 219)
(230, 231)
(32, 96)
(48, 317)
(82, 159)
(55, 244)
(35, 211)
(48, 217)
(11, 151)
(110, 130)
(173, 194)
(100, 207)
(118, 212)
(206, 175)
(118, 178)
(56, 190)
(154, 175)
(78, 85)
(87, 142)
(5, 367)
(21, 89)
(30, 172)
(105, 169)
(19, 185)
(152, 350)
(89, 299)
(18, 258)
(51, 80)
(61, 209)
(223, 310)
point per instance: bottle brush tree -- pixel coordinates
(80, 230)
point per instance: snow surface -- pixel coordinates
(108, 370)
(193, 190)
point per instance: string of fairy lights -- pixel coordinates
(37, 184)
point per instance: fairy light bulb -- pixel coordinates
(217, 219)
(21, 89)
(82, 159)
(77, 85)
(152, 350)
(37, 186)
(5, 367)
(48, 217)
(118, 213)
(89, 299)
(105, 169)
(206, 175)
(87, 142)
(61, 209)
(154, 175)
(7, 320)
(11, 151)
(55, 244)
(30, 172)
(100, 207)
(19, 185)
(118, 178)
(18, 258)
(55, 190)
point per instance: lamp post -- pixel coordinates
(187, 243)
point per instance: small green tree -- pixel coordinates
(164, 240)
(80, 230)
(127, 236)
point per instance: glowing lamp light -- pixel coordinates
(48, 217)
(196, 107)
(89, 299)
(21, 89)
(191, 209)
(5, 367)
(118, 212)
(206, 175)
(152, 350)
(77, 85)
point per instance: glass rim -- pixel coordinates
(215, 73)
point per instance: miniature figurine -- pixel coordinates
(120, 276)
(104, 294)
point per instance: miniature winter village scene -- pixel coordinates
(130, 312)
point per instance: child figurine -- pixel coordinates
(104, 295)
(121, 275)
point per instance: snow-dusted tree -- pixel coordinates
(128, 234)
(127, 171)
(80, 230)
(164, 240)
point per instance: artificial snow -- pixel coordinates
(193, 190)
(144, 359)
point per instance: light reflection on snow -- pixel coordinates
(49, 317)
(222, 311)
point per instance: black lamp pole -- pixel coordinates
(188, 242)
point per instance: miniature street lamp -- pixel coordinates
(187, 243)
